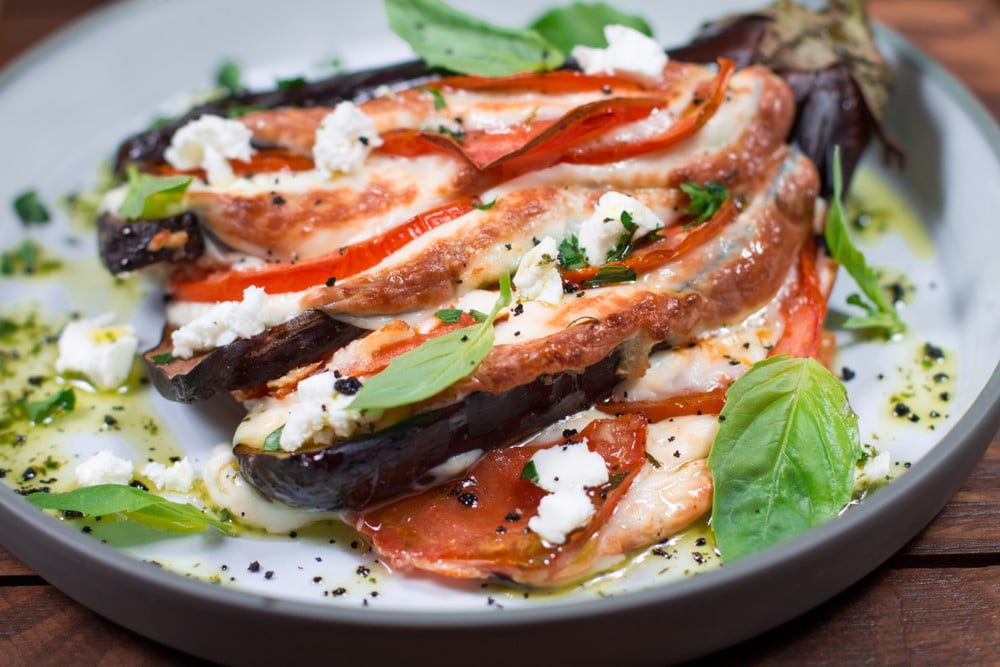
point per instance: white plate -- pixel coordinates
(68, 104)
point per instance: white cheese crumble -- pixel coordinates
(208, 143)
(228, 320)
(226, 488)
(104, 468)
(565, 471)
(344, 139)
(99, 350)
(537, 277)
(874, 472)
(177, 477)
(600, 233)
(321, 414)
(629, 54)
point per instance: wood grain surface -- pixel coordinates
(937, 602)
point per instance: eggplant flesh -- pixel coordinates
(373, 469)
(249, 361)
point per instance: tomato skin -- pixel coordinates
(560, 81)
(296, 276)
(477, 525)
(804, 311)
(703, 403)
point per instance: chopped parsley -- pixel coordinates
(706, 200)
(30, 208)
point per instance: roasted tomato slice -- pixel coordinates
(478, 525)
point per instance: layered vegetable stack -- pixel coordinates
(493, 320)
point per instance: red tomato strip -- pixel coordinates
(659, 252)
(541, 82)
(477, 526)
(263, 161)
(804, 311)
(295, 276)
(703, 403)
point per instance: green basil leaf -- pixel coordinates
(783, 460)
(272, 443)
(288, 84)
(229, 77)
(445, 37)
(583, 24)
(881, 313)
(164, 358)
(27, 259)
(571, 256)
(30, 209)
(484, 207)
(449, 315)
(433, 366)
(62, 401)
(478, 315)
(706, 200)
(142, 506)
(611, 274)
(151, 197)
(439, 101)
(529, 472)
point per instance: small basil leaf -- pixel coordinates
(783, 460)
(445, 37)
(583, 24)
(229, 77)
(433, 366)
(449, 315)
(62, 401)
(611, 274)
(529, 472)
(151, 197)
(706, 200)
(881, 314)
(272, 443)
(30, 209)
(145, 507)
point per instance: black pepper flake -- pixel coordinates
(464, 338)
(363, 140)
(278, 199)
(348, 386)
(933, 352)
(110, 422)
(71, 514)
(512, 516)
(940, 377)
(519, 309)
(224, 567)
(606, 89)
(317, 579)
(698, 558)
(700, 542)
(269, 574)
(944, 396)
(935, 414)
(901, 409)
(660, 551)
(331, 281)
(569, 288)
(3, 472)
(139, 485)
(86, 529)
(293, 534)
(508, 246)
(501, 529)
(254, 567)
(468, 499)
(847, 374)
(28, 474)
(337, 592)
(36, 380)
(677, 453)
(354, 544)
(362, 571)
(569, 432)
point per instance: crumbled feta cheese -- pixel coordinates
(600, 233)
(874, 472)
(103, 353)
(630, 54)
(344, 139)
(321, 414)
(227, 488)
(104, 468)
(208, 143)
(228, 320)
(565, 471)
(177, 477)
(537, 277)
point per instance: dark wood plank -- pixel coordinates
(893, 617)
(41, 626)
(11, 567)
(969, 526)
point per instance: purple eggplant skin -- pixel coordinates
(250, 361)
(124, 246)
(147, 147)
(373, 469)
(830, 109)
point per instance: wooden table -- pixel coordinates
(936, 602)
